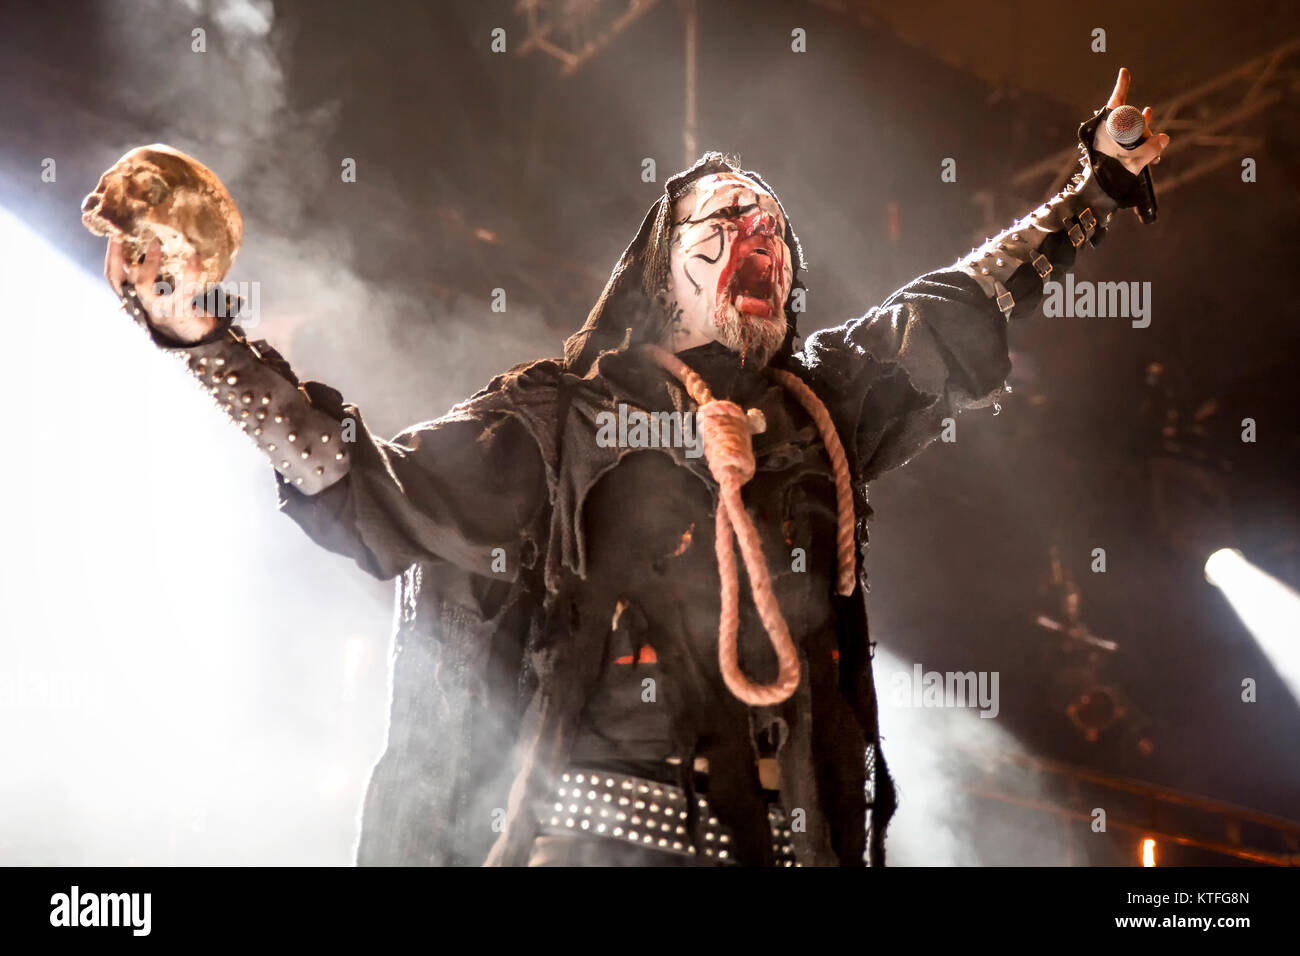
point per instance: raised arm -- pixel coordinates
(465, 489)
(939, 344)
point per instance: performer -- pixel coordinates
(609, 654)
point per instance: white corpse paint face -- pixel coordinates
(730, 269)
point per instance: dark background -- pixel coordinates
(479, 171)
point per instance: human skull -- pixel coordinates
(157, 192)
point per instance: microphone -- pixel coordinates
(1127, 127)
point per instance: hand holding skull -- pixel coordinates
(173, 231)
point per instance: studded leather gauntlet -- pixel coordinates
(1012, 266)
(258, 390)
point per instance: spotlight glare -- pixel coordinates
(1268, 608)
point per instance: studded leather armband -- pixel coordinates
(1019, 260)
(303, 443)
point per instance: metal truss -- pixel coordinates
(1133, 806)
(1210, 122)
(571, 30)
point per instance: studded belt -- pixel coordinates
(649, 814)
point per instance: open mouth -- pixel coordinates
(753, 279)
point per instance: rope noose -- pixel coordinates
(725, 434)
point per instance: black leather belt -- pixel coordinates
(649, 814)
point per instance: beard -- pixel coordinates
(755, 338)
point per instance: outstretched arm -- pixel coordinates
(456, 489)
(939, 344)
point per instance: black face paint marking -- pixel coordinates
(686, 269)
(719, 234)
(727, 212)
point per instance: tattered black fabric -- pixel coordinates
(532, 560)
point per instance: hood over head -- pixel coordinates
(631, 309)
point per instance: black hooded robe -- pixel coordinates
(516, 537)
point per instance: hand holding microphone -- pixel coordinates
(1127, 137)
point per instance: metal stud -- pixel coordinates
(292, 436)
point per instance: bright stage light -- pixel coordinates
(161, 698)
(1268, 608)
(1148, 852)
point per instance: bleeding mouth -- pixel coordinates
(753, 276)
